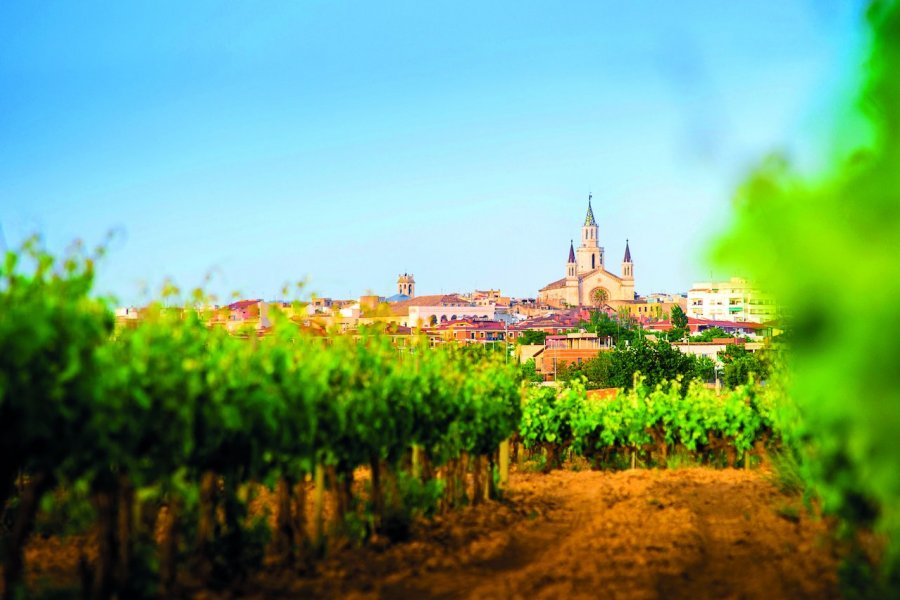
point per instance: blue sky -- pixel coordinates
(347, 142)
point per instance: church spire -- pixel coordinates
(571, 251)
(589, 218)
(627, 265)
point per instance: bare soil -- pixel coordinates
(692, 533)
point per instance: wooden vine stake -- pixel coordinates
(416, 461)
(504, 463)
(318, 505)
(478, 479)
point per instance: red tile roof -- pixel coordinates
(242, 304)
(556, 284)
(470, 324)
(723, 324)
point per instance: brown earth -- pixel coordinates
(693, 533)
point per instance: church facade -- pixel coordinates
(587, 282)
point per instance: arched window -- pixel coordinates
(593, 259)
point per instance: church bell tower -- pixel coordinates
(406, 285)
(590, 254)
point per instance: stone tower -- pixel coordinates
(590, 254)
(406, 285)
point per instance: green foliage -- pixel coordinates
(675, 334)
(657, 361)
(792, 234)
(741, 365)
(705, 368)
(50, 331)
(529, 372)
(532, 336)
(786, 471)
(547, 417)
(679, 318)
(621, 328)
(175, 411)
(594, 371)
(696, 424)
(65, 511)
(708, 335)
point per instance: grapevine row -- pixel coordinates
(170, 425)
(648, 422)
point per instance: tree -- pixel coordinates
(532, 336)
(529, 371)
(740, 364)
(595, 371)
(656, 361)
(706, 368)
(708, 335)
(679, 324)
(619, 329)
(679, 319)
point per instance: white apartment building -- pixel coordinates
(732, 300)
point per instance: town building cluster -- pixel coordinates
(487, 316)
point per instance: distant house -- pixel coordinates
(571, 348)
(713, 348)
(470, 331)
(732, 300)
(429, 311)
(696, 326)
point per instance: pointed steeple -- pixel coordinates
(571, 251)
(589, 218)
(627, 253)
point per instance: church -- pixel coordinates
(587, 282)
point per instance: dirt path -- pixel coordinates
(693, 533)
(637, 534)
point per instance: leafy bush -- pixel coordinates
(793, 234)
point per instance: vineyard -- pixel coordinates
(175, 454)
(172, 413)
(167, 430)
(180, 461)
